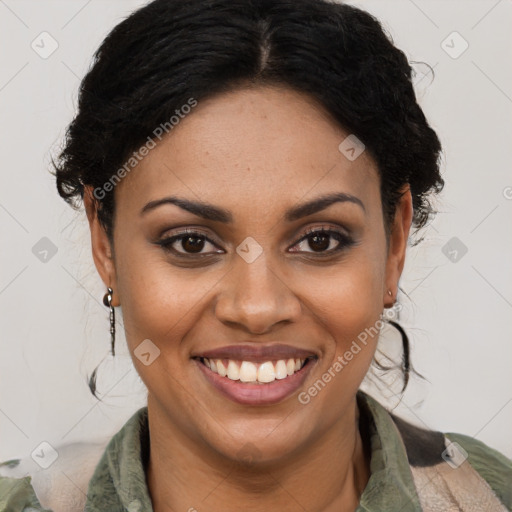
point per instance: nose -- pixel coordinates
(256, 297)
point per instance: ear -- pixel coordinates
(398, 237)
(102, 252)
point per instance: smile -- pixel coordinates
(247, 371)
(253, 383)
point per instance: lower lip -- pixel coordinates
(257, 394)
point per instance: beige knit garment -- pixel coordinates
(446, 488)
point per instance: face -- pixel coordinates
(252, 267)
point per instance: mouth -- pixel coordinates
(255, 373)
(256, 376)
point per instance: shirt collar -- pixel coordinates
(391, 484)
(119, 480)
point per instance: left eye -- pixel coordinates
(322, 241)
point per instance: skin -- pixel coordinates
(256, 152)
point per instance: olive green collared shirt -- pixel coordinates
(411, 471)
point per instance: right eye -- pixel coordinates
(191, 243)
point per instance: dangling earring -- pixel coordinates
(107, 300)
(406, 362)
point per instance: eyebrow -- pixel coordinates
(210, 212)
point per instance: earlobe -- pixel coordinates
(100, 245)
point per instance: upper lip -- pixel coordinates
(256, 353)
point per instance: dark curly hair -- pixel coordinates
(169, 51)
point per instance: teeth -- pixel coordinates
(233, 371)
(221, 369)
(247, 371)
(281, 372)
(266, 372)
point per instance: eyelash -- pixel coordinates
(344, 242)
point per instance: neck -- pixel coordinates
(328, 475)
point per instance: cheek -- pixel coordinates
(348, 302)
(348, 307)
(160, 303)
(161, 309)
(160, 306)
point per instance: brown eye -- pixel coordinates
(188, 243)
(319, 242)
(192, 244)
(324, 241)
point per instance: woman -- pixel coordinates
(251, 171)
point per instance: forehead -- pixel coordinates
(266, 145)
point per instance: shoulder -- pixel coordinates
(492, 465)
(457, 465)
(60, 487)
